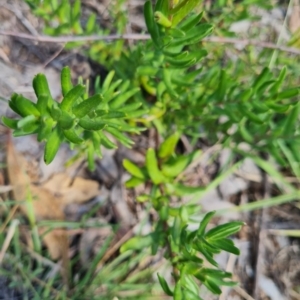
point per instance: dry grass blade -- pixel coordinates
(8, 238)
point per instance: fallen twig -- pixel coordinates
(132, 36)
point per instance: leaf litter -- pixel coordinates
(51, 198)
(47, 201)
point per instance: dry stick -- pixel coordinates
(52, 57)
(10, 234)
(131, 36)
(66, 39)
(229, 268)
(242, 293)
(248, 42)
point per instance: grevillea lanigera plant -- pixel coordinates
(79, 119)
(186, 97)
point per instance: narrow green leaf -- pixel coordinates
(133, 169)
(30, 128)
(92, 124)
(214, 273)
(289, 93)
(212, 286)
(52, 145)
(26, 121)
(164, 285)
(264, 76)
(274, 89)
(25, 107)
(75, 12)
(189, 283)
(274, 150)
(223, 231)
(259, 106)
(55, 111)
(291, 121)
(114, 115)
(167, 148)
(182, 9)
(10, 123)
(183, 214)
(161, 19)
(178, 292)
(250, 115)
(106, 142)
(193, 36)
(226, 245)
(120, 137)
(66, 121)
(152, 167)
(42, 105)
(188, 294)
(245, 133)
(122, 98)
(163, 6)
(146, 71)
(12, 103)
(136, 113)
(208, 255)
(277, 107)
(191, 22)
(40, 86)
(130, 107)
(111, 92)
(96, 139)
(107, 81)
(133, 182)
(45, 128)
(71, 97)
(66, 81)
(83, 108)
(183, 190)
(91, 23)
(72, 136)
(168, 82)
(204, 222)
(175, 166)
(150, 23)
(188, 61)
(137, 243)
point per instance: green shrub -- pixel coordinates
(190, 96)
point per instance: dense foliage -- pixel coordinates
(189, 95)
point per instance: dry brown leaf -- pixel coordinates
(58, 245)
(43, 204)
(47, 201)
(78, 190)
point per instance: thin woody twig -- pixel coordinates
(247, 42)
(49, 60)
(66, 39)
(131, 36)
